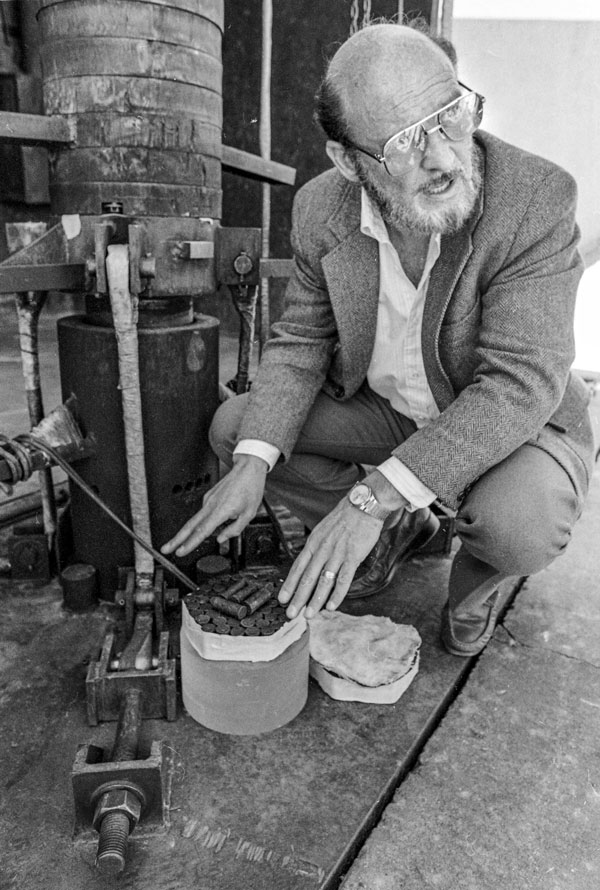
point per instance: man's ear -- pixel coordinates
(339, 155)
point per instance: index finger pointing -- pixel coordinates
(196, 530)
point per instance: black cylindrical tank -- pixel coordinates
(179, 391)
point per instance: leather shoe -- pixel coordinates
(467, 628)
(395, 544)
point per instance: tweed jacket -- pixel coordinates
(497, 335)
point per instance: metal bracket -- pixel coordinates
(116, 229)
(151, 774)
(231, 243)
(105, 687)
(136, 666)
(28, 553)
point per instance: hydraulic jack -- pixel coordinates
(143, 663)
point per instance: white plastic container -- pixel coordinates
(243, 697)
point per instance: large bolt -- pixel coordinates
(117, 814)
(243, 264)
(118, 809)
(112, 846)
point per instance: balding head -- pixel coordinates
(380, 69)
(384, 80)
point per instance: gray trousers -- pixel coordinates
(514, 520)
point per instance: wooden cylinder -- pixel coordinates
(141, 84)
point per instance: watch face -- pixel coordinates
(359, 494)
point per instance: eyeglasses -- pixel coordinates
(455, 121)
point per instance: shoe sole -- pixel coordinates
(499, 608)
(424, 536)
(465, 650)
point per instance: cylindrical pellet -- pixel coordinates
(209, 566)
(258, 599)
(80, 587)
(238, 610)
(242, 595)
(230, 592)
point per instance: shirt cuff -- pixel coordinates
(258, 448)
(407, 484)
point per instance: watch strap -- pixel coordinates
(372, 506)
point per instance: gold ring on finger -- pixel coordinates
(328, 576)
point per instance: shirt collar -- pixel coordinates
(372, 225)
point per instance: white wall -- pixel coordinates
(537, 62)
(541, 80)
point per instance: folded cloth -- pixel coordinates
(370, 650)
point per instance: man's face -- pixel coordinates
(436, 188)
(425, 202)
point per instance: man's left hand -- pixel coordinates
(323, 572)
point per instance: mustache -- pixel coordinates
(443, 179)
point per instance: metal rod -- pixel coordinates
(29, 306)
(265, 151)
(244, 299)
(441, 18)
(124, 311)
(25, 506)
(34, 129)
(254, 166)
(187, 582)
(45, 277)
(128, 728)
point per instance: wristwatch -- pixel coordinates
(361, 496)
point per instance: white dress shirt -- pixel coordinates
(396, 371)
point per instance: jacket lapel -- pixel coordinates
(454, 255)
(351, 270)
(455, 251)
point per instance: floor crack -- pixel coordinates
(534, 647)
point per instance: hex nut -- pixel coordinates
(121, 801)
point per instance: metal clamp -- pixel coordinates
(113, 795)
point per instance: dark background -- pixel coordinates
(305, 36)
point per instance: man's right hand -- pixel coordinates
(234, 500)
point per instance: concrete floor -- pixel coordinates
(485, 774)
(507, 791)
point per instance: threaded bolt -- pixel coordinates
(112, 845)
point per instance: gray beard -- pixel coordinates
(404, 215)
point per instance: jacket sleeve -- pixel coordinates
(296, 359)
(524, 351)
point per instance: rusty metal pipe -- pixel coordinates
(244, 301)
(29, 306)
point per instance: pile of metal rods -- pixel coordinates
(239, 606)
